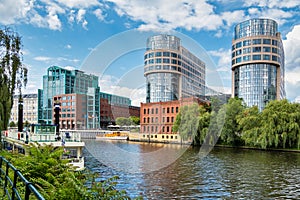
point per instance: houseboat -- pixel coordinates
(45, 134)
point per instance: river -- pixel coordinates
(166, 171)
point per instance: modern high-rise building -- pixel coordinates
(60, 81)
(172, 72)
(257, 62)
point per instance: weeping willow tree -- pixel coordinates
(13, 74)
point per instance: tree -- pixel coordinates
(230, 133)
(186, 122)
(13, 74)
(135, 120)
(12, 124)
(123, 121)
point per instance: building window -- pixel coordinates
(172, 110)
(167, 129)
(144, 111)
(152, 111)
(256, 57)
(176, 109)
(266, 41)
(157, 54)
(256, 49)
(168, 109)
(144, 119)
(256, 41)
(156, 110)
(167, 119)
(164, 110)
(172, 119)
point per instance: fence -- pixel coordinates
(12, 188)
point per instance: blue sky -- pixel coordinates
(107, 37)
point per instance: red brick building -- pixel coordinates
(109, 113)
(158, 117)
(72, 110)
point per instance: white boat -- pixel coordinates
(46, 135)
(117, 135)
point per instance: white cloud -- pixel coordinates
(42, 58)
(79, 3)
(224, 57)
(273, 3)
(170, 15)
(11, 11)
(292, 62)
(54, 22)
(109, 84)
(99, 14)
(291, 48)
(68, 46)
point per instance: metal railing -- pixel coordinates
(13, 186)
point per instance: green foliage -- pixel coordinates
(12, 124)
(54, 179)
(135, 120)
(230, 134)
(277, 126)
(123, 121)
(12, 73)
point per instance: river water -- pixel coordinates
(166, 171)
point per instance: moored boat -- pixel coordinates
(116, 135)
(46, 135)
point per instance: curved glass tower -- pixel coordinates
(257, 62)
(171, 71)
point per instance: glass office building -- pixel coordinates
(63, 81)
(171, 71)
(257, 62)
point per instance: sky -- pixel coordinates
(108, 37)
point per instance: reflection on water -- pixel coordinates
(183, 172)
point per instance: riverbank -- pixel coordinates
(136, 137)
(257, 148)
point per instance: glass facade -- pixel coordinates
(171, 71)
(62, 81)
(258, 62)
(256, 83)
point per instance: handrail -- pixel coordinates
(11, 185)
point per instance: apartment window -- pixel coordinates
(168, 119)
(172, 110)
(168, 109)
(144, 111)
(156, 110)
(176, 109)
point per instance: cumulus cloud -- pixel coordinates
(292, 62)
(99, 14)
(273, 3)
(110, 84)
(10, 11)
